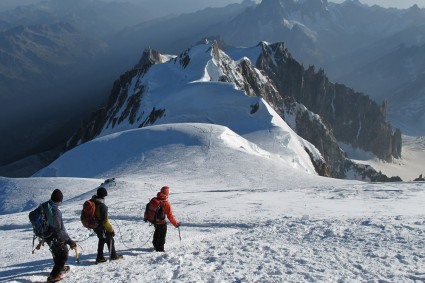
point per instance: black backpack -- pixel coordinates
(39, 219)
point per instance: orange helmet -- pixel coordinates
(165, 190)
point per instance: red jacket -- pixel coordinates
(167, 209)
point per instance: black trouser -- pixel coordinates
(159, 237)
(60, 256)
(105, 238)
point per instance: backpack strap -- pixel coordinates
(48, 211)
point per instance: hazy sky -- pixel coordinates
(390, 3)
(8, 4)
(383, 3)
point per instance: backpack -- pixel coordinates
(88, 215)
(39, 219)
(154, 211)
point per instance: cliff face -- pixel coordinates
(119, 97)
(353, 117)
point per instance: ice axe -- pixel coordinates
(38, 246)
(76, 255)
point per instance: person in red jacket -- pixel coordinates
(161, 226)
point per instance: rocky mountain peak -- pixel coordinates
(273, 3)
(314, 6)
(149, 56)
(352, 2)
(280, 51)
(347, 113)
(285, 7)
(319, 111)
(272, 9)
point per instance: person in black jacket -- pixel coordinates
(104, 232)
(60, 239)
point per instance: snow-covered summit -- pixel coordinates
(189, 89)
(252, 91)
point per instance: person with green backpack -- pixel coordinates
(59, 238)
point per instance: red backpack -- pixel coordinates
(88, 215)
(154, 211)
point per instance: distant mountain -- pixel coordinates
(341, 38)
(408, 104)
(204, 85)
(31, 53)
(346, 68)
(320, 32)
(397, 77)
(172, 34)
(95, 17)
(10, 4)
(54, 69)
(39, 70)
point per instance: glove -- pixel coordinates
(72, 244)
(112, 233)
(178, 224)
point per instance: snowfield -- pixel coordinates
(247, 216)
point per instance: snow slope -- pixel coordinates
(162, 147)
(247, 215)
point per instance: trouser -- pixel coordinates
(60, 256)
(159, 237)
(105, 238)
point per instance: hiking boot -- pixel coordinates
(100, 260)
(159, 249)
(51, 279)
(116, 257)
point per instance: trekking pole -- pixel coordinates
(180, 237)
(33, 240)
(110, 248)
(76, 255)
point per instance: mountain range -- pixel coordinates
(192, 88)
(358, 45)
(339, 39)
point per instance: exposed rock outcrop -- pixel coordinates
(354, 118)
(419, 179)
(107, 116)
